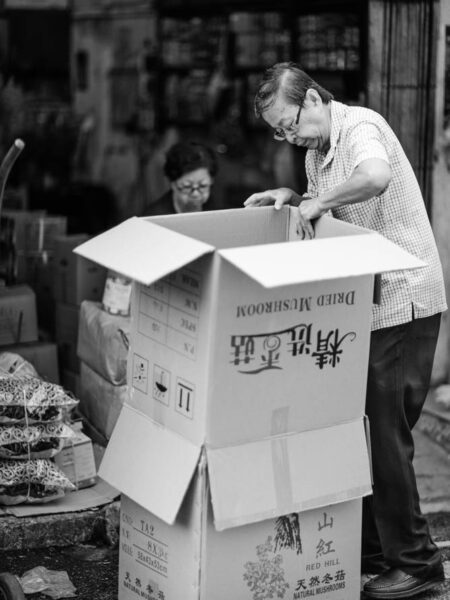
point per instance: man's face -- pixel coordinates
(192, 190)
(309, 128)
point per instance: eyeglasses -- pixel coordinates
(280, 133)
(189, 187)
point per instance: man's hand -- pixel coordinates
(277, 197)
(308, 210)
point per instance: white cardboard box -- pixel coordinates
(248, 351)
(314, 553)
(253, 336)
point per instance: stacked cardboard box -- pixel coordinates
(18, 318)
(19, 331)
(76, 459)
(241, 451)
(103, 341)
(34, 236)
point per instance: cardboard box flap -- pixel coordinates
(274, 265)
(288, 473)
(149, 463)
(142, 250)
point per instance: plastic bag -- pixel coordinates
(31, 400)
(42, 440)
(31, 481)
(55, 584)
(14, 364)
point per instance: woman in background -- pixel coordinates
(190, 168)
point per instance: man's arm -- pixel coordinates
(369, 179)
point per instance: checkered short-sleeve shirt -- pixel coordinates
(398, 212)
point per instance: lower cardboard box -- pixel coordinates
(299, 555)
(278, 517)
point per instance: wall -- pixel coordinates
(441, 195)
(400, 88)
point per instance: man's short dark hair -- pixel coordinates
(287, 79)
(186, 157)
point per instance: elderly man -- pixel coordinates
(358, 171)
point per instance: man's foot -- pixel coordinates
(397, 584)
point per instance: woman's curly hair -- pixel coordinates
(186, 157)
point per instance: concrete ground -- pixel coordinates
(85, 544)
(432, 465)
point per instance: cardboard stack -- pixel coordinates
(75, 279)
(76, 459)
(54, 281)
(103, 341)
(241, 451)
(31, 304)
(18, 317)
(34, 235)
(19, 331)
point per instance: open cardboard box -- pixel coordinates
(248, 362)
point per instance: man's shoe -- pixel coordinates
(397, 584)
(365, 578)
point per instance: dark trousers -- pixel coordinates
(395, 533)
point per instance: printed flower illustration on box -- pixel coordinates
(265, 578)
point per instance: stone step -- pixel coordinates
(61, 529)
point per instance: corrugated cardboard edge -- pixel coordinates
(93, 497)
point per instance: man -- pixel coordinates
(357, 169)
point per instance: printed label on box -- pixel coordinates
(185, 396)
(169, 312)
(161, 384)
(140, 373)
(259, 352)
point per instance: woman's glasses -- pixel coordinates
(188, 187)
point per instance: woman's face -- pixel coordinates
(191, 190)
